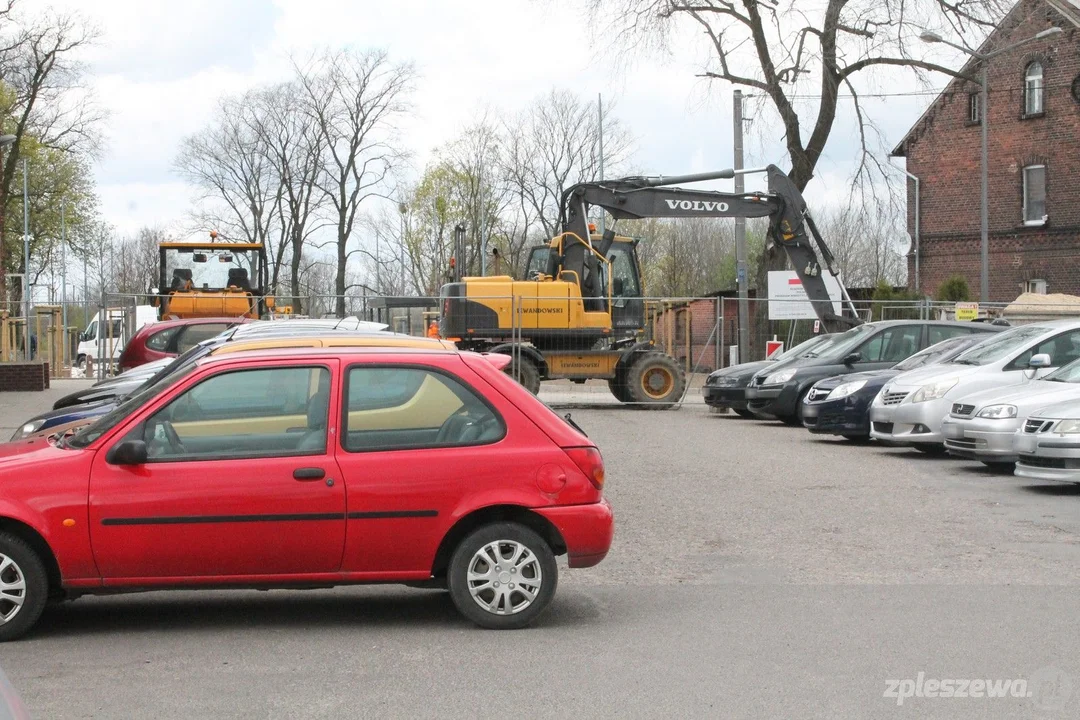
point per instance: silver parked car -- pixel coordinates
(910, 409)
(1048, 446)
(983, 426)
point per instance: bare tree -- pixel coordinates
(555, 144)
(42, 94)
(354, 101)
(237, 174)
(797, 57)
(295, 147)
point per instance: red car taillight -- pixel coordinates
(590, 462)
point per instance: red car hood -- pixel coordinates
(28, 452)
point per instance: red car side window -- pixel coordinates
(412, 407)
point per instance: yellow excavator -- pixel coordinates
(213, 279)
(579, 314)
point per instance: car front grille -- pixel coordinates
(758, 381)
(883, 427)
(894, 398)
(815, 395)
(961, 443)
(1037, 425)
(962, 410)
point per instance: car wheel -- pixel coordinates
(655, 381)
(502, 576)
(525, 372)
(24, 587)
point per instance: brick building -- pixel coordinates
(1034, 163)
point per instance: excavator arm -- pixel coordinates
(790, 226)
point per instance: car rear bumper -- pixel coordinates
(727, 397)
(981, 439)
(587, 530)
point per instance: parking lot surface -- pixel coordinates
(757, 571)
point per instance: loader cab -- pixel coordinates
(212, 279)
(628, 309)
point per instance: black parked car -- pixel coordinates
(779, 392)
(726, 388)
(840, 405)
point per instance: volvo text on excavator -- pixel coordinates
(579, 314)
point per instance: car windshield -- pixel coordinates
(841, 344)
(1000, 346)
(801, 350)
(933, 354)
(205, 267)
(181, 361)
(108, 421)
(1069, 374)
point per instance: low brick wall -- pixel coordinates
(24, 376)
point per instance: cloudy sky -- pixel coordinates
(161, 66)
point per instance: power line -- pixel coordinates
(915, 93)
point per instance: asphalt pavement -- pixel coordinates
(757, 571)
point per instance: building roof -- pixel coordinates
(1069, 10)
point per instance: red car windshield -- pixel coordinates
(107, 422)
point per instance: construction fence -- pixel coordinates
(699, 334)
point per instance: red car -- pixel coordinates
(170, 338)
(308, 468)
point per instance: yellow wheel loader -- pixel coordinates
(579, 314)
(214, 279)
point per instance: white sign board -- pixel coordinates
(788, 301)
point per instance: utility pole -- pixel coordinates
(63, 287)
(600, 125)
(26, 256)
(740, 238)
(483, 219)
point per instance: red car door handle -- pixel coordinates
(308, 474)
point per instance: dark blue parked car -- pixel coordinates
(840, 405)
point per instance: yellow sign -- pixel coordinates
(967, 310)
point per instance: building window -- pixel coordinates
(1035, 286)
(1035, 195)
(1033, 89)
(973, 109)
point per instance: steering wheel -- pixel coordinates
(175, 445)
(454, 424)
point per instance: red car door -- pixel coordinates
(416, 441)
(240, 479)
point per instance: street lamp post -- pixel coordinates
(984, 120)
(26, 257)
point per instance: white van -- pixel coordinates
(99, 336)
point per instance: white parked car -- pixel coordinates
(910, 409)
(982, 426)
(1048, 445)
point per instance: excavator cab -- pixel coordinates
(626, 306)
(215, 279)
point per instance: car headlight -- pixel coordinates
(842, 391)
(998, 412)
(721, 381)
(28, 429)
(1068, 427)
(934, 390)
(779, 378)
